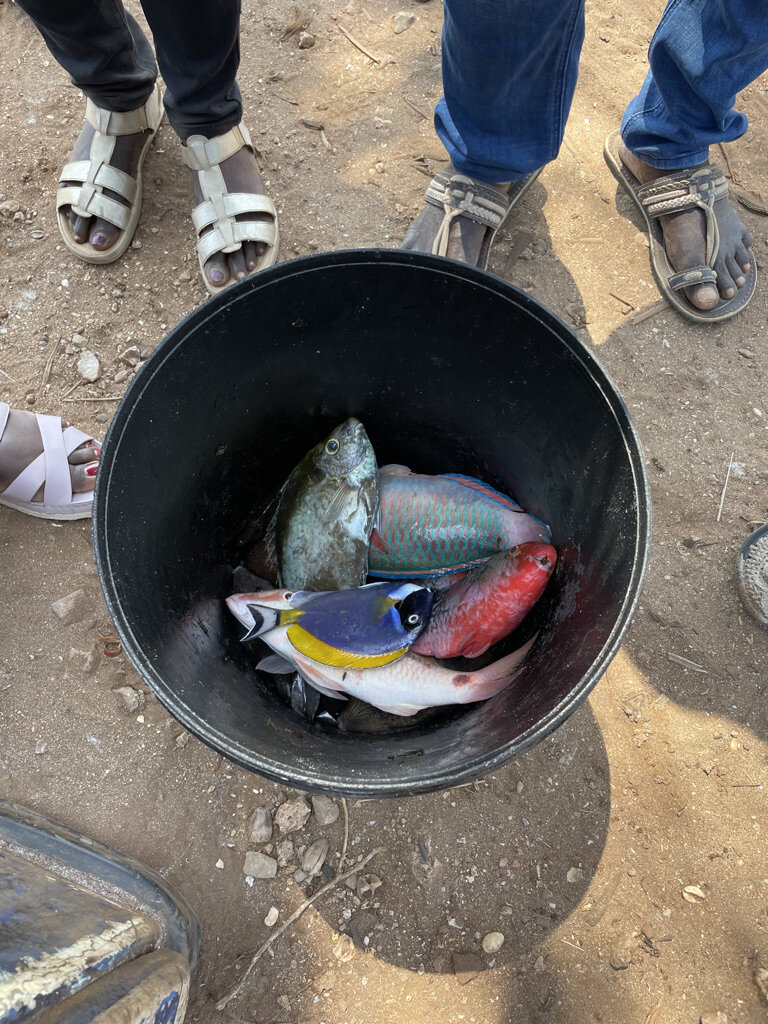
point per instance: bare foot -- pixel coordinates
(685, 241)
(21, 443)
(465, 238)
(128, 148)
(240, 175)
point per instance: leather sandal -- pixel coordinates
(50, 470)
(95, 175)
(463, 197)
(682, 190)
(215, 218)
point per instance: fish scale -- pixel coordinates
(433, 524)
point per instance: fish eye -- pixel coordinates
(413, 619)
(332, 446)
(287, 595)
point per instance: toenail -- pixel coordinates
(740, 281)
(99, 239)
(216, 275)
(92, 469)
(729, 293)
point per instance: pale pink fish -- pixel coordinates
(403, 687)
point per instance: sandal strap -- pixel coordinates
(50, 468)
(113, 122)
(687, 190)
(687, 278)
(202, 154)
(462, 196)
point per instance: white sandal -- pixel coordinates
(86, 198)
(219, 209)
(50, 468)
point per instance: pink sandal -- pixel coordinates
(50, 468)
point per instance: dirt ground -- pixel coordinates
(579, 852)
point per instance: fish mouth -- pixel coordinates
(241, 611)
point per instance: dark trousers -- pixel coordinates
(108, 56)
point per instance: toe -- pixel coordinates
(725, 283)
(743, 258)
(237, 268)
(737, 275)
(253, 253)
(703, 296)
(85, 453)
(217, 270)
(84, 477)
(82, 229)
(103, 234)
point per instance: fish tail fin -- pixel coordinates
(492, 679)
(266, 617)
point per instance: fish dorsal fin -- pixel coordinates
(482, 488)
(404, 710)
(275, 665)
(424, 574)
(326, 654)
(393, 469)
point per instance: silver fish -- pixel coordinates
(327, 509)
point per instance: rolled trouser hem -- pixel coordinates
(209, 129)
(118, 103)
(672, 163)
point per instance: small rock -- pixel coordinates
(220, 864)
(18, 216)
(519, 787)
(73, 608)
(181, 740)
(306, 40)
(88, 366)
(260, 825)
(79, 340)
(41, 747)
(492, 942)
(693, 894)
(121, 375)
(101, 417)
(539, 964)
(133, 700)
(272, 916)
(574, 875)
(31, 398)
(284, 853)
(367, 884)
(467, 966)
(131, 355)
(713, 1018)
(185, 275)
(344, 949)
(326, 810)
(299, 876)
(314, 857)
(620, 959)
(259, 865)
(292, 815)
(402, 21)
(746, 353)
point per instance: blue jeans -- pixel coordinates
(510, 69)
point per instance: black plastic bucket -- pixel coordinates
(451, 370)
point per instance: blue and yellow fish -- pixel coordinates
(363, 627)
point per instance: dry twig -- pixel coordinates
(346, 836)
(294, 917)
(727, 478)
(359, 46)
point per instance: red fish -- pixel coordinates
(488, 604)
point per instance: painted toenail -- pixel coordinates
(216, 275)
(92, 470)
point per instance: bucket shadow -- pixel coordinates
(514, 852)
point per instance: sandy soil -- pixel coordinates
(580, 851)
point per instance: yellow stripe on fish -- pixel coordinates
(326, 654)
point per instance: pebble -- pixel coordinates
(747, 353)
(284, 853)
(492, 942)
(260, 825)
(299, 876)
(73, 608)
(88, 366)
(620, 959)
(344, 949)
(314, 857)
(181, 740)
(259, 865)
(574, 875)
(403, 20)
(220, 864)
(306, 40)
(41, 747)
(133, 700)
(367, 884)
(539, 964)
(101, 417)
(713, 1018)
(79, 339)
(326, 810)
(292, 815)
(121, 375)
(131, 355)
(272, 916)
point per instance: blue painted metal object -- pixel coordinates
(87, 936)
